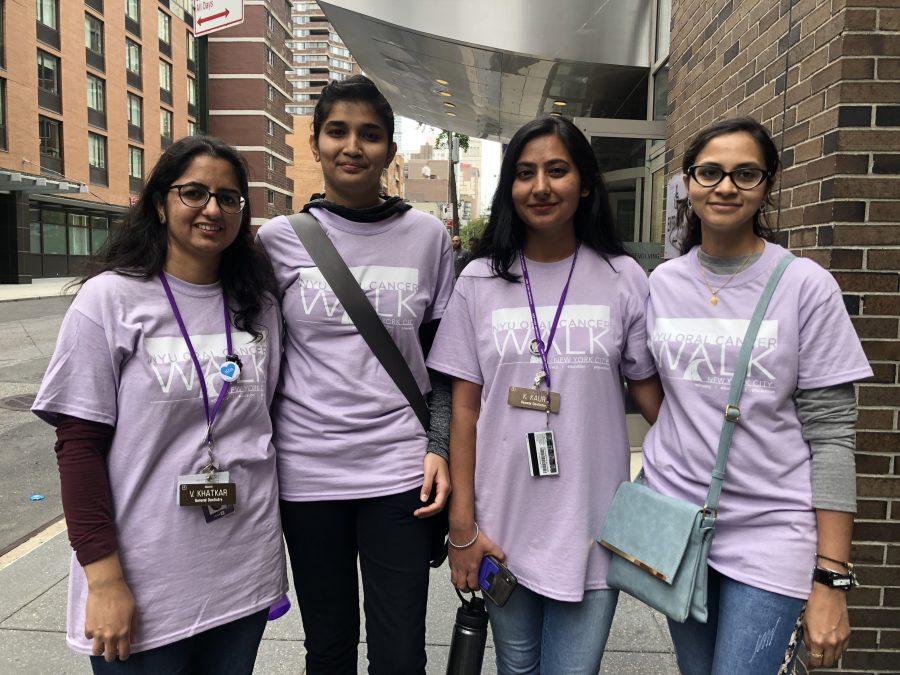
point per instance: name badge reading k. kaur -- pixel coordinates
(532, 399)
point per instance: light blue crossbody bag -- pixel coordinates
(660, 543)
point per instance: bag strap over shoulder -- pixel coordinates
(360, 310)
(732, 411)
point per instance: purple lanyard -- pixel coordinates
(210, 414)
(542, 348)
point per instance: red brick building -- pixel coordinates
(248, 95)
(824, 77)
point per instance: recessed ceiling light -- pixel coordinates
(444, 93)
(452, 114)
(443, 83)
(559, 103)
(449, 104)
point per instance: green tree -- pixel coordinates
(475, 228)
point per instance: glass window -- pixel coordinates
(48, 72)
(164, 26)
(134, 111)
(99, 232)
(661, 93)
(133, 10)
(96, 93)
(96, 150)
(270, 197)
(3, 114)
(270, 162)
(93, 34)
(46, 13)
(165, 123)
(50, 133)
(192, 128)
(165, 75)
(191, 43)
(663, 27)
(54, 239)
(133, 56)
(270, 57)
(270, 21)
(270, 92)
(79, 234)
(34, 238)
(135, 162)
(192, 91)
(270, 127)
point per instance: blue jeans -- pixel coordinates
(229, 649)
(535, 634)
(747, 631)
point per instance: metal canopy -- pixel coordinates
(507, 62)
(16, 181)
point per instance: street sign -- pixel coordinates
(213, 15)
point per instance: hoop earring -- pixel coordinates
(689, 205)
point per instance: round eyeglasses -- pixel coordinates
(743, 179)
(197, 196)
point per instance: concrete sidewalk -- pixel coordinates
(33, 584)
(40, 288)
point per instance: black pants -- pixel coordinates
(323, 540)
(229, 649)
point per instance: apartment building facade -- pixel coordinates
(91, 93)
(248, 95)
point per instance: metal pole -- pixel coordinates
(454, 231)
(203, 85)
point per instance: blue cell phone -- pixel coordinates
(495, 580)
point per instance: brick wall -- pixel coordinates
(824, 77)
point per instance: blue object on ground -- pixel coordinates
(36, 498)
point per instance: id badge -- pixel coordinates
(532, 399)
(542, 458)
(213, 493)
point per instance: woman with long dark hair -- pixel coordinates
(783, 531)
(360, 479)
(159, 389)
(541, 328)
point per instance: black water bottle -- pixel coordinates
(469, 637)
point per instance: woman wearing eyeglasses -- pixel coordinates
(159, 389)
(782, 537)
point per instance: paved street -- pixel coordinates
(28, 330)
(34, 575)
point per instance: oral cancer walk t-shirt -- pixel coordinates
(547, 527)
(766, 528)
(343, 430)
(121, 360)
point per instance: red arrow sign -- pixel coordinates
(211, 17)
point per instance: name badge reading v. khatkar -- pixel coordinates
(532, 399)
(207, 494)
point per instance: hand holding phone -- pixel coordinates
(495, 580)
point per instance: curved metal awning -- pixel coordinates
(484, 68)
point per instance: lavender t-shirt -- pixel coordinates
(343, 430)
(120, 359)
(547, 526)
(766, 529)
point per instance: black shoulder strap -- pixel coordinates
(360, 310)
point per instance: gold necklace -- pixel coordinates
(714, 294)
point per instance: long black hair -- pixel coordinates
(688, 223)
(504, 235)
(139, 247)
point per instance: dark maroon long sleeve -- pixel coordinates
(81, 450)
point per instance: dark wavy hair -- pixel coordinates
(504, 235)
(359, 89)
(138, 248)
(688, 223)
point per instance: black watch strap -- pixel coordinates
(834, 579)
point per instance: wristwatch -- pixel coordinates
(834, 579)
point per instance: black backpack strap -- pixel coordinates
(360, 310)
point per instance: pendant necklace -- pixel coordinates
(714, 294)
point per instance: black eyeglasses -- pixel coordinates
(197, 196)
(747, 178)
